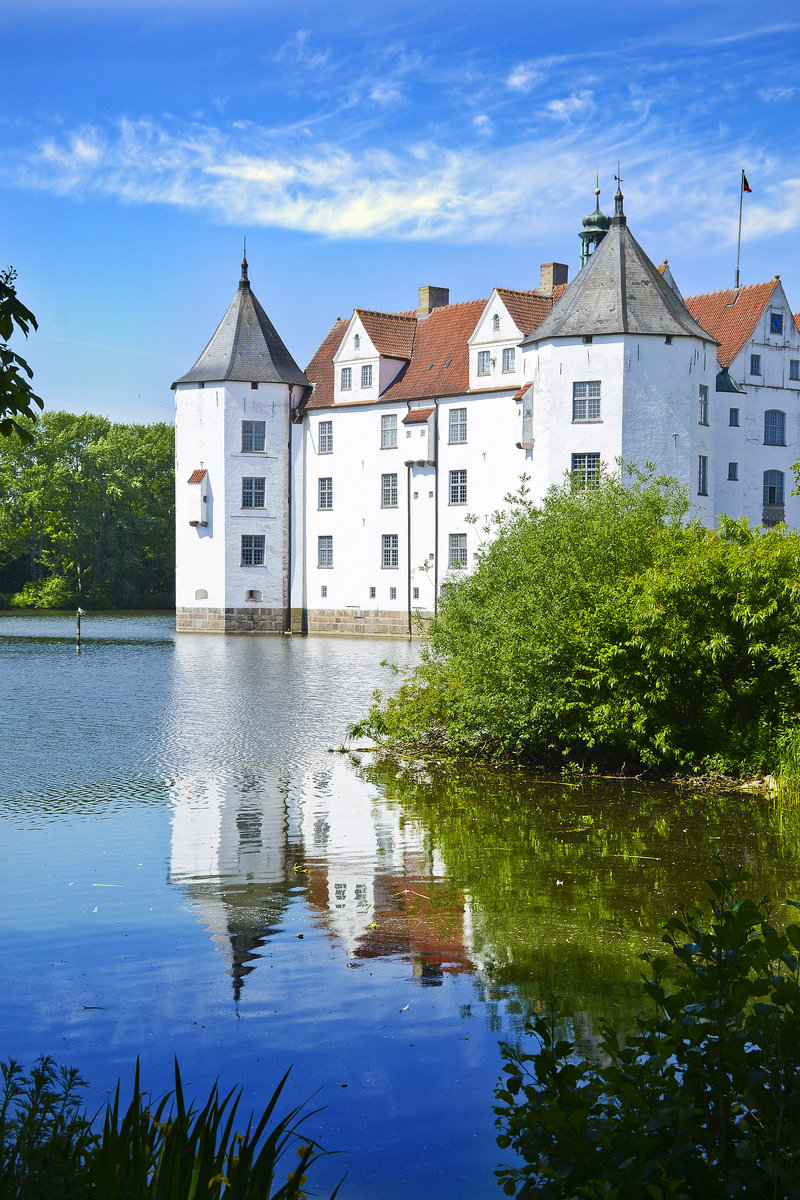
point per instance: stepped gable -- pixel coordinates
(440, 365)
(528, 309)
(392, 334)
(732, 315)
(245, 348)
(320, 369)
(618, 291)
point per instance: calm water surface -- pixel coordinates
(190, 868)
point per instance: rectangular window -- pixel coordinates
(325, 550)
(458, 487)
(774, 427)
(586, 468)
(323, 591)
(703, 404)
(794, 368)
(252, 549)
(586, 400)
(755, 364)
(372, 593)
(457, 429)
(389, 552)
(326, 437)
(393, 593)
(733, 416)
(484, 362)
(389, 491)
(252, 492)
(508, 358)
(773, 487)
(347, 378)
(253, 433)
(388, 430)
(325, 492)
(733, 470)
(415, 595)
(458, 550)
(366, 376)
(702, 475)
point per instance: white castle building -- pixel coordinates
(337, 499)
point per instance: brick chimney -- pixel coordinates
(553, 274)
(430, 298)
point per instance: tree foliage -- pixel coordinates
(87, 514)
(602, 628)
(17, 397)
(701, 1101)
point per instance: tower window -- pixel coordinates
(253, 489)
(702, 475)
(586, 400)
(253, 436)
(586, 469)
(733, 416)
(733, 471)
(773, 487)
(325, 550)
(252, 549)
(703, 404)
(325, 492)
(755, 364)
(794, 368)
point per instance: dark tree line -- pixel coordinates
(87, 514)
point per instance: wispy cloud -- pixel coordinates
(523, 76)
(576, 105)
(773, 94)
(300, 50)
(483, 124)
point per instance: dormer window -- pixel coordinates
(496, 322)
(347, 379)
(357, 342)
(366, 376)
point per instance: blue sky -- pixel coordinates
(364, 150)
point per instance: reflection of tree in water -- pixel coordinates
(567, 884)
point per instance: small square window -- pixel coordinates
(733, 416)
(755, 364)
(733, 470)
(484, 362)
(254, 387)
(587, 339)
(366, 376)
(794, 368)
(393, 593)
(586, 468)
(347, 378)
(252, 549)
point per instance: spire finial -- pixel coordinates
(619, 212)
(244, 279)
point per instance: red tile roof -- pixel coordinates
(440, 366)
(197, 476)
(731, 315)
(797, 320)
(417, 416)
(392, 334)
(527, 309)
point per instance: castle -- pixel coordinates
(337, 499)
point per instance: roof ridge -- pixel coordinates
(743, 287)
(376, 312)
(523, 291)
(458, 304)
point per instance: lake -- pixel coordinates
(192, 868)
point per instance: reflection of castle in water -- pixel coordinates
(243, 844)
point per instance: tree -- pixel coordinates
(700, 1101)
(17, 397)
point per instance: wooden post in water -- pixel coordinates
(78, 616)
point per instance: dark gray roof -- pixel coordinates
(246, 347)
(618, 291)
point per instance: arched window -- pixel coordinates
(201, 594)
(356, 341)
(774, 427)
(773, 487)
(496, 321)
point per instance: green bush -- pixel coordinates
(51, 1150)
(702, 1100)
(601, 629)
(50, 593)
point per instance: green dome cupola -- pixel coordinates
(595, 228)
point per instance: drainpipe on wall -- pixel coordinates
(288, 621)
(408, 508)
(435, 506)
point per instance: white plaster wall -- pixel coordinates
(268, 403)
(199, 439)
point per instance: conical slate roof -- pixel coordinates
(246, 347)
(618, 291)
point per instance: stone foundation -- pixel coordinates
(348, 621)
(230, 620)
(371, 622)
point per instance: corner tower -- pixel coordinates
(235, 488)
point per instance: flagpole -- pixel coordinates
(739, 242)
